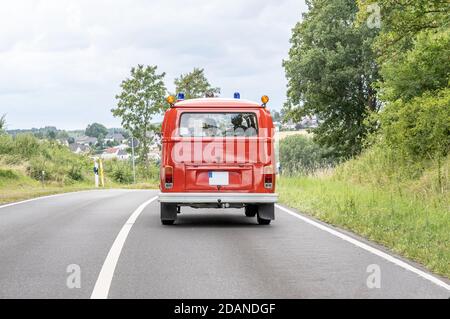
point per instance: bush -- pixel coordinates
(26, 145)
(300, 154)
(419, 129)
(76, 173)
(123, 174)
(8, 174)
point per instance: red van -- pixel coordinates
(217, 153)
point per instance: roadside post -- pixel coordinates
(133, 160)
(102, 175)
(43, 178)
(96, 172)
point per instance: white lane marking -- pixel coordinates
(371, 249)
(41, 197)
(105, 277)
(69, 193)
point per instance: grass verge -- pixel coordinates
(16, 186)
(410, 226)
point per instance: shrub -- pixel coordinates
(123, 175)
(26, 145)
(300, 154)
(76, 172)
(419, 129)
(8, 174)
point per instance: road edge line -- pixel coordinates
(43, 197)
(368, 248)
(69, 193)
(105, 277)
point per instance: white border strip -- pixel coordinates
(75, 192)
(371, 249)
(105, 277)
(42, 197)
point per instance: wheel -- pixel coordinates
(263, 221)
(168, 213)
(251, 210)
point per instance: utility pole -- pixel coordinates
(133, 160)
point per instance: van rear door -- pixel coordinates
(221, 146)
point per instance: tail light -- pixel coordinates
(268, 176)
(168, 176)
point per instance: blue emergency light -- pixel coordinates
(237, 95)
(180, 96)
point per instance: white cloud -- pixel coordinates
(61, 62)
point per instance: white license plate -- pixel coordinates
(218, 178)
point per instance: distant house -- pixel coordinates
(79, 148)
(309, 121)
(86, 140)
(123, 147)
(116, 137)
(115, 152)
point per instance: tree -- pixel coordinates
(141, 98)
(402, 20)
(413, 49)
(194, 84)
(331, 70)
(2, 123)
(425, 67)
(95, 130)
(276, 116)
(51, 135)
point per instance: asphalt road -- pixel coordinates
(207, 254)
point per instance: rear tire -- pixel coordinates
(168, 213)
(263, 221)
(251, 210)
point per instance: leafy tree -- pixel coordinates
(330, 72)
(425, 67)
(402, 20)
(276, 116)
(194, 84)
(419, 128)
(51, 135)
(141, 98)
(299, 154)
(63, 135)
(95, 130)
(2, 123)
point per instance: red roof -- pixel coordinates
(112, 150)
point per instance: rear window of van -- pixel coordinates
(218, 124)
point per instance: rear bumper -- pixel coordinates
(208, 198)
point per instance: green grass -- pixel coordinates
(15, 186)
(410, 225)
(24, 157)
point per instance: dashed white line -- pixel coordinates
(368, 248)
(101, 289)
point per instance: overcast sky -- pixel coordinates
(61, 62)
